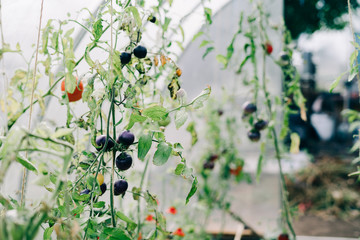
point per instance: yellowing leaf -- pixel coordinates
(295, 143)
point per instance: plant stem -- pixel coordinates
(113, 116)
(113, 160)
(141, 186)
(285, 203)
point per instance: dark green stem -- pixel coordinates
(284, 200)
(141, 186)
(113, 158)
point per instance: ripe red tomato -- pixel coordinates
(268, 48)
(283, 236)
(172, 210)
(179, 232)
(77, 94)
(149, 218)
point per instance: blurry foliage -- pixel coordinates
(325, 189)
(307, 16)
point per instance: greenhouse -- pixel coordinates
(179, 119)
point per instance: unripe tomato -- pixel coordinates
(100, 178)
(77, 94)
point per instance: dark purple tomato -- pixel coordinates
(103, 188)
(254, 135)
(123, 161)
(209, 165)
(125, 58)
(126, 138)
(100, 141)
(85, 191)
(140, 51)
(120, 187)
(260, 125)
(249, 107)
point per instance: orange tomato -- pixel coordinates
(178, 72)
(77, 94)
(236, 171)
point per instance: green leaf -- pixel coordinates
(78, 210)
(135, 14)
(100, 204)
(61, 132)
(208, 14)
(69, 32)
(97, 29)
(87, 57)
(180, 118)
(70, 82)
(353, 72)
(131, 225)
(136, 193)
(47, 233)
(353, 57)
(114, 234)
(76, 196)
(222, 59)
(144, 146)
(187, 172)
(178, 147)
(191, 129)
(166, 24)
(26, 163)
(156, 113)
(192, 190)
(335, 83)
(259, 167)
(162, 154)
(161, 220)
(197, 35)
(204, 43)
(207, 51)
(45, 38)
(242, 64)
(134, 118)
(260, 161)
(179, 169)
(150, 200)
(182, 33)
(198, 101)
